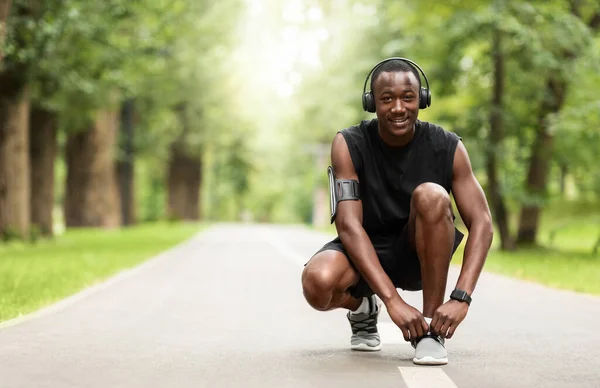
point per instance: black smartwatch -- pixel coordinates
(460, 296)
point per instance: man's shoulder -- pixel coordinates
(437, 132)
(361, 128)
(358, 134)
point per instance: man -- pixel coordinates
(393, 176)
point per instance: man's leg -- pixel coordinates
(326, 280)
(431, 235)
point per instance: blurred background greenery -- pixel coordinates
(121, 118)
(116, 113)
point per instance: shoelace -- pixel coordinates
(364, 326)
(429, 335)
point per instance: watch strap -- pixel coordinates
(461, 296)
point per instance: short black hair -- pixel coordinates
(394, 66)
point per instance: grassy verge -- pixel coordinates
(567, 235)
(32, 276)
(569, 269)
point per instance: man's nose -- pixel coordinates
(398, 106)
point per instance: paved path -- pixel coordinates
(225, 309)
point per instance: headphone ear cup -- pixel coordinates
(424, 98)
(368, 103)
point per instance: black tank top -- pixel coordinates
(389, 175)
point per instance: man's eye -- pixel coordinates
(387, 98)
(409, 98)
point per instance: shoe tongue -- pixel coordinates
(428, 335)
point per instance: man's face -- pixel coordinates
(396, 97)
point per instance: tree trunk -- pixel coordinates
(125, 183)
(496, 139)
(537, 176)
(125, 165)
(42, 132)
(14, 160)
(564, 171)
(539, 162)
(183, 181)
(4, 9)
(91, 197)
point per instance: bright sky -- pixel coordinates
(277, 46)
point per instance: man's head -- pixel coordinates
(396, 86)
(394, 66)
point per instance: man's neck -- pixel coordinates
(397, 141)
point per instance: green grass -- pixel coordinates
(563, 261)
(32, 276)
(572, 269)
(559, 269)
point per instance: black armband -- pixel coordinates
(341, 190)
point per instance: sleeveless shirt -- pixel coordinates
(389, 175)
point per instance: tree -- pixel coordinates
(14, 122)
(556, 87)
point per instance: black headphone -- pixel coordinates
(368, 101)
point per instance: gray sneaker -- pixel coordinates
(430, 350)
(364, 328)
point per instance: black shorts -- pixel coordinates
(399, 261)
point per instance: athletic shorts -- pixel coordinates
(399, 261)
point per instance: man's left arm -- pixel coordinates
(475, 213)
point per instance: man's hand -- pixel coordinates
(408, 319)
(447, 317)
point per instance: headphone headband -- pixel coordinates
(425, 91)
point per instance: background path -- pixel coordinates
(225, 309)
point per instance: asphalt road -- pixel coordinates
(225, 309)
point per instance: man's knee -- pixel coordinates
(317, 286)
(431, 202)
(322, 277)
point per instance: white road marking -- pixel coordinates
(426, 377)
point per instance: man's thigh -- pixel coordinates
(399, 262)
(331, 265)
(405, 269)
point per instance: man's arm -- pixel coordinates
(473, 208)
(475, 213)
(348, 223)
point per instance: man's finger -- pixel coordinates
(443, 329)
(425, 327)
(413, 332)
(405, 334)
(419, 329)
(451, 331)
(434, 321)
(437, 328)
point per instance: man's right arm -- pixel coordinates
(348, 223)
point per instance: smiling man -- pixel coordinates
(391, 181)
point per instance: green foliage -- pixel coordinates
(254, 88)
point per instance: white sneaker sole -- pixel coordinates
(365, 348)
(430, 361)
